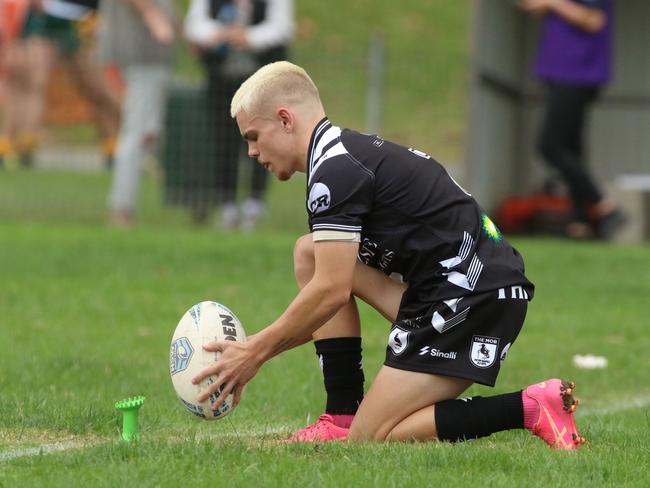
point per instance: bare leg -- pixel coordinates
(370, 285)
(400, 405)
(94, 87)
(379, 416)
(40, 56)
(13, 61)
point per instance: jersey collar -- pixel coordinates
(315, 150)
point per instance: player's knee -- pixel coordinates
(360, 432)
(303, 259)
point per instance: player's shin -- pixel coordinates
(340, 360)
(471, 418)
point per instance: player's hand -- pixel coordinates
(236, 366)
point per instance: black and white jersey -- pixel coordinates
(415, 220)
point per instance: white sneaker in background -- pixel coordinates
(230, 216)
(251, 212)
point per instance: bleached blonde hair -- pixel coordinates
(276, 83)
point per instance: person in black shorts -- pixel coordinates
(391, 227)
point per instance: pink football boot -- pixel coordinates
(323, 430)
(548, 413)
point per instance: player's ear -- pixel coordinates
(286, 118)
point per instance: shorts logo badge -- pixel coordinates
(398, 340)
(484, 351)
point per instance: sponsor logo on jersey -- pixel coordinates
(490, 228)
(385, 259)
(367, 250)
(398, 340)
(437, 353)
(180, 355)
(484, 351)
(319, 198)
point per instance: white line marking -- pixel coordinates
(42, 449)
(78, 444)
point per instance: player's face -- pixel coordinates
(268, 143)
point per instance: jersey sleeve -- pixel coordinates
(339, 195)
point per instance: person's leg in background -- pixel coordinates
(40, 55)
(228, 142)
(12, 69)
(93, 85)
(253, 207)
(561, 145)
(146, 87)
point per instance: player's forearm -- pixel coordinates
(313, 306)
(586, 18)
(143, 6)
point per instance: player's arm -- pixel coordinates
(160, 27)
(317, 302)
(587, 18)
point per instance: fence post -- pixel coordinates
(376, 58)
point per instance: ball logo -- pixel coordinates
(484, 351)
(319, 198)
(180, 355)
(228, 327)
(195, 312)
(398, 340)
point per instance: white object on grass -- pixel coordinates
(589, 361)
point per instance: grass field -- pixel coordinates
(87, 314)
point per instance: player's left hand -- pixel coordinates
(236, 366)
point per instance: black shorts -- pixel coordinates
(466, 338)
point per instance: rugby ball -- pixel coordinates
(203, 323)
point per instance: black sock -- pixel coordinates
(471, 418)
(340, 360)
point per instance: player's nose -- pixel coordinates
(253, 152)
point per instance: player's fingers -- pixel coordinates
(239, 390)
(205, 372)
(225, 391)
(215, 346)
(209, 389)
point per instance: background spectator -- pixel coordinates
(574, 61)
(12, 13)
(137, 35)
(52, 31)
(235, 37)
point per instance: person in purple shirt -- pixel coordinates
(574, 62)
